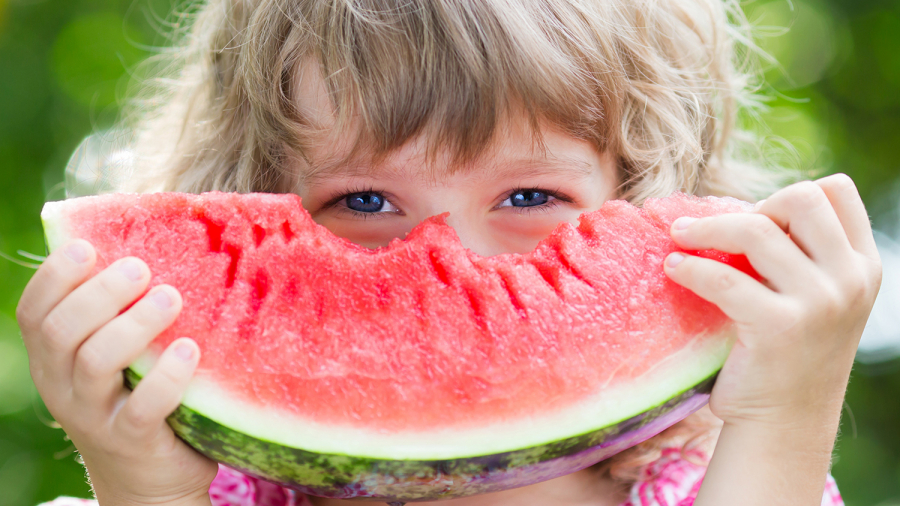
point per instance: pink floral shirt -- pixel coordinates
(671, 480)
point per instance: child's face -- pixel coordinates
(506, 201)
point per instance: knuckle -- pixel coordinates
(91, 363)
(761, 227)
(108, 284)
(784, 316)
(874, 273)
(24, 316)
(54, 272)
(145, 317)
(865, 282)
(842, 181)
(835, 299)
(170, 381)
(807, 194)
(55, 331)
(137, 416)
(724, 280)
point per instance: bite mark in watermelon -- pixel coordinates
(420, 370)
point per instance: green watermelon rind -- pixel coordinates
(349, 476)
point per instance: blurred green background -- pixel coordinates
(64, 66)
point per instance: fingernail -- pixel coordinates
(674, 259)
(161, 299)
(131, 270)
(758, 205)
(184, 351)
(77, 253)
(683, 222)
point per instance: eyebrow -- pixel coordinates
(521, 168)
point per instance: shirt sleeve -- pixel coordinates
(232, 488)
(675, 479)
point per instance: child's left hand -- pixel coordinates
(798, 329)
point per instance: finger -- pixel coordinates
(850, 210)
(803, 211)
(160, 391)
(90, 306)
(62, 271)
(770, 251)
(722, 285)
(97, 374)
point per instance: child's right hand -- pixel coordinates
(78, 344)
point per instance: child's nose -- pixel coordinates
(473, 235)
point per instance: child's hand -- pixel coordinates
(798, 330)
(78, 344)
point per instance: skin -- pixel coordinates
(779, 394)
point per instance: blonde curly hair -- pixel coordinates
(659, 83)
(664, 85)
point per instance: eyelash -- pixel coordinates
(557, 198)
(338, 196)
(543, 208)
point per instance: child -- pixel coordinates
(513, 115)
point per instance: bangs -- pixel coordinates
(657, 85)
(453, 71)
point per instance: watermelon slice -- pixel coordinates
(419, 370)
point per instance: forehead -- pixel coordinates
(518, 147)
(401, 167)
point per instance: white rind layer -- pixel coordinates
(614, 404)
(53, 220)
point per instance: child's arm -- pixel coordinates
(781, 390)
(78, 344)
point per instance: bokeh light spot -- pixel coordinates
(800, 36)
(803, 132)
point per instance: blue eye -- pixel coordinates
(365, 202)
(528, 198)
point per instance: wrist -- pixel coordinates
(806, 438)
(799, 422)
(804, 411)
(768, 462)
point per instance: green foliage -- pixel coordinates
(64, 64)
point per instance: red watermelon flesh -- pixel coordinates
(421, 334)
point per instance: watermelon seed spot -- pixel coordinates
(476, 309)
(513, 298)
(259, 234)
(260, 288)
(396, 503)
(545, 272)
(564, 261)
(235, 253)
(438, 268)
(214, 232)
(383, 293)
(286, 230)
